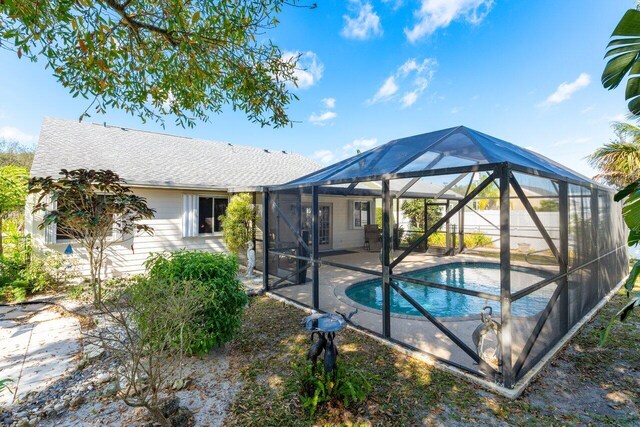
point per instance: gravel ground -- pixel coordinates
(86, 396)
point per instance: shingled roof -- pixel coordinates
(154, 159)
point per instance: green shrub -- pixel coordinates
(17, 292)
(221, 316)
(239, 222)
(477, 239)
(50, 271)
(349, 386)
(115, 286)
(22, 274)
(76, 291)
(438, 238)
(155, 322)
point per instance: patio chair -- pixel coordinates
(372, 238)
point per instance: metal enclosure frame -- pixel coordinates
(552, 323)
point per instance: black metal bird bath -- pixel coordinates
(325, 327)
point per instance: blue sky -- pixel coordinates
(524, 71)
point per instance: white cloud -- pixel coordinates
(14, 134)
(409, 98)
(434, 14)
(324, 156)
(455, 110)
(329, 102)
(395, 4)
(328, 156)
(363, 26)
(414, 75)
(320, 119)
(308, 70)
(566, 90)
(386, 91)
(361, 144)
(572, 141)
(419, 67)
(588, 109)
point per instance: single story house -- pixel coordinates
(188, 182)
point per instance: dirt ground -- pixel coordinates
(585, 385)
(252, 382)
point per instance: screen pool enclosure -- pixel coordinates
(454, 243)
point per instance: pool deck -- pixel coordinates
(415, 331)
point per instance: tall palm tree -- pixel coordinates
(619, 160)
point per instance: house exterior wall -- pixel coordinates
(345, 236)
(167, 236)
(126, 257)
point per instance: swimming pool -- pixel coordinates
(477, 276)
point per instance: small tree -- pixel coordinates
(238, 224)
(13, 191)
(90, 206)
(414, 210)
(149, 327)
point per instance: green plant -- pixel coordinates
(22, 273)
(548, 205)
(50, 271)
(239, 222)
(12, 153)
(13, 191)
(379, 218)
(89, 206)
(221, 316)
(631, 213)
(17, 292)
(624, 53)
(618, 161)
(3, 384)
(76, 291)
(477, 239)
(115, 286)
(347, 385)
(154, 58)
(154, 321)
(414, 210)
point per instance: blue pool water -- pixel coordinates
(477, 276)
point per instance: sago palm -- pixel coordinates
(619, 160)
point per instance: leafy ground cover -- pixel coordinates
(584, 385)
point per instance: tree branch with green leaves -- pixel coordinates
(153, 58)
(89, 207)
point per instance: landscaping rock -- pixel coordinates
(182, 418)
(93, 351)
(103, 378)
(23, 423)
(170, 406)
(111, 389)
(77, 401)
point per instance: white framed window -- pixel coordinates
(360, 214)
(201, 214)
(59, 233)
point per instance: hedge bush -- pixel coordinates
(221, 316)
